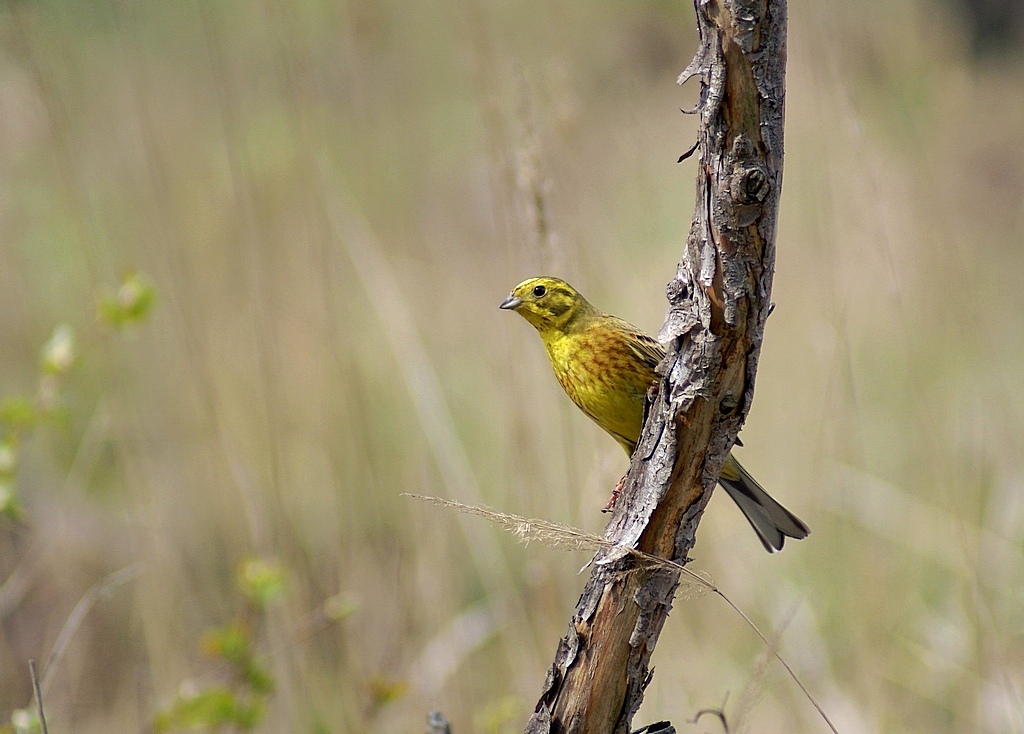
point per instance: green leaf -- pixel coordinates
(59, 351)
(385, 690)
(8, 459)
(232, 643)
(131, 304)
(10, 507)
(259, 680)
(18, 413)
(209, 709)
(261, 581)
(25, 721)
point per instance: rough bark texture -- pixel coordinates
(719, 301)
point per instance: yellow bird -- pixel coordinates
(606, 365)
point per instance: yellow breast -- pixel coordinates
(604, 377)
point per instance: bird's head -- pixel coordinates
(550, 304)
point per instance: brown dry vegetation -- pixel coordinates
(331, 199)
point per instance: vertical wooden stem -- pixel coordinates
(718, 303)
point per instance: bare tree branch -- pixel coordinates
(719, 301)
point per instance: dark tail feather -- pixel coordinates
(771, 521)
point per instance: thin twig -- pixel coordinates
(38, 695)
(717, 713)
(691, 151)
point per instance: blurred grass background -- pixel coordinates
(330, 200)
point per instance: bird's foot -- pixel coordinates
(615, 494)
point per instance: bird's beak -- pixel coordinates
(511, 303)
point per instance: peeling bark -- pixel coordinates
(719, 300)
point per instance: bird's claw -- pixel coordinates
(615, 494)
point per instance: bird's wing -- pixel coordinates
(643, 346)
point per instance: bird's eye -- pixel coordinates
(539, 290)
